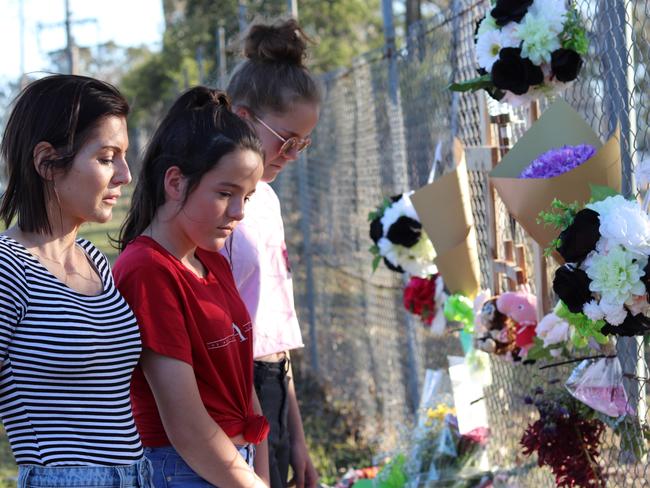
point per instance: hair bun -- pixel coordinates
(281, 42)
(200, 96)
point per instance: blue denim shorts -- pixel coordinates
(170, 471)
(138, 475)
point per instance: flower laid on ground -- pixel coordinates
(527, 48)
(425, 297)
(558, 161)
(440, 454)
(566, 438)
(604, 283)
(399, 239)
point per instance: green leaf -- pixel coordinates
(600, 192)
(480, 83)
(375, 262)
(584, 327)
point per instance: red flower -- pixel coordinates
(419, 297)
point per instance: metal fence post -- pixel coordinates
(305, 227)
(400, 176)
(616, 17)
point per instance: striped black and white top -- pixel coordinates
(67, 360)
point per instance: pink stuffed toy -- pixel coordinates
(521, 307)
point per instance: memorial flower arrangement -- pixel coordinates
(604, 284)
(399, 239)
(566, 438)
(558, 161)
(527, 48)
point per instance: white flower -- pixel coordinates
(388, 250)
(616, 276)
(593, 311)
(642, 175)
(553, 11)
(552, 330)
(623, 222)
(488, 47)
(488, 24)
(539, 39)
(603, 207)
(614, 313)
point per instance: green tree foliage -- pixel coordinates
(341, 29)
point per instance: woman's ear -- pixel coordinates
(43, 151)
(175, 184)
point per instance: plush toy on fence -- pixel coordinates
(505, 325)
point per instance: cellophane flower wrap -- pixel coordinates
(443, 455)
(526, 49)
(603, 287)
(425, 297)
(399, 239)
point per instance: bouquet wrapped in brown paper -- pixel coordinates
(445, 212)
(526, 197)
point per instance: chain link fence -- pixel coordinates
(380, 124)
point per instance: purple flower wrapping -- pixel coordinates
(555, 162)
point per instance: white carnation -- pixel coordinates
(627, 225)
(488, 24)
(592, 311)
(614, 313)
(553, 11)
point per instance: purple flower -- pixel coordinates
(558, 161)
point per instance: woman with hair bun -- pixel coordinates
(274, 91)
(193, 396)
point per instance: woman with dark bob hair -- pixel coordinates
(193, 397)
(68, 340)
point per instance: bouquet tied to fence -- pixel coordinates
(604, 284)
(526, 49)
(399, 239)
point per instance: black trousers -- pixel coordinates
(271, 386)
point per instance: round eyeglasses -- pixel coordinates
(289, 144)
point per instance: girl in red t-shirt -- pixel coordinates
(193, 398)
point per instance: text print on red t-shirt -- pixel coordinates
(237, 333)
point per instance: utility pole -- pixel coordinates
(69, 41)
(70, 50)
(241, 12)
(293, 8)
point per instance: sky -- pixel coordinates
(127, 22)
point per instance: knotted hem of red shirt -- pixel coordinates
(257, 429)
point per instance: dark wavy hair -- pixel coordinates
(62, 110)
(273, 75)
(196, 133)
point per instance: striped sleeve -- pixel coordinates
(13, 296)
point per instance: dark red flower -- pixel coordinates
(419, 297)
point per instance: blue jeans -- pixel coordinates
(136, 475)
(171, 471)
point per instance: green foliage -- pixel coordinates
(574, 35)
(584, 328)
(478, 83)
(561, 216)
(331, 428)
(600, 192)
(539, 352)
